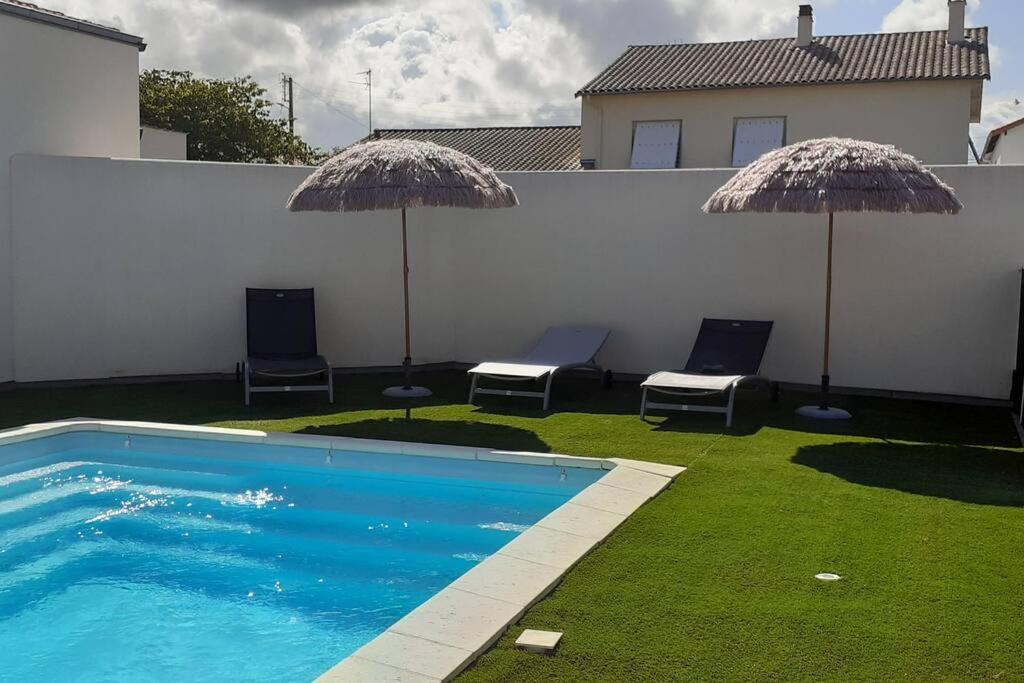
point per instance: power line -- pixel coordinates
(451, 107)
(330, 105)
(456, 108)
(526, 107)
(453, 117)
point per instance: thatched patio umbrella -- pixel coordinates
(830, 176)
(401, 174)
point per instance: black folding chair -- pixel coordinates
(280, 334)
(726, 355)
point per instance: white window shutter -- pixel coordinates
(755, 137)
(655, 144)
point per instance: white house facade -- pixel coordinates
(714, 105)
(1005, 145)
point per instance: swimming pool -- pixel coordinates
(171, 555)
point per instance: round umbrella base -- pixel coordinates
(819, 413)
(408, 392)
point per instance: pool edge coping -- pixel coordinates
(444, 635)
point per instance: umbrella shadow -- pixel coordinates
(892, 419)
(966, 474)
(444, 432)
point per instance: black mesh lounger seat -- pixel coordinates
(280, 333)
(726, 355)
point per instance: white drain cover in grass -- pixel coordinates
(826, 576)
(543, 642)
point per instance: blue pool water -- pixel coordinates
(144, 558)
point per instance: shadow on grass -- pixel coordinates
(447, 432)
(178, 402)
(221, 401)
(700, 423)
(963, 473)
(569, 394)
(876, 418)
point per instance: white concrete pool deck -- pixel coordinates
(444, 635)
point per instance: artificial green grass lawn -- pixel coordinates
(919, 506)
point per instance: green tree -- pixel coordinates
(226, 120)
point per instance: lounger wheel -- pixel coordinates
(606, 379)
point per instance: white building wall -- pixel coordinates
(138, 268)
(156, 143)
(64, 92)
(148, 277)
(1010, 147)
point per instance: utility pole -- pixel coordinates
(974, 151)
(289, 98)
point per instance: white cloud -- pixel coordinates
(435, 62)
(451, 62)
(995, 112)
(923, 15)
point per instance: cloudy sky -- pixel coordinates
(488, 62)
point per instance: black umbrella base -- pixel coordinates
(408, 392)
(819, 413)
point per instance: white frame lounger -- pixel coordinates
(710, 361)
(560, 349)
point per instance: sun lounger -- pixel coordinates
(559, 350)
(726, 355)
(281, 343)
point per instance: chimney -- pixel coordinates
(805, 26)
(957, 17)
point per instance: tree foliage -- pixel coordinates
(226, 120)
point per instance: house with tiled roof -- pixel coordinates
(1005, 144)
(711, 105)
(504, 148)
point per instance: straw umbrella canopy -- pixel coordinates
(834, 175)
(400, 175)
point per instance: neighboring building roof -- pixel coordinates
(869, 58)
(27, 10)
(511, 148)
(993, 137)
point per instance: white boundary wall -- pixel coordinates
(127, 267)
(65, 92)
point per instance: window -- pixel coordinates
(755, 136)
(655, 144)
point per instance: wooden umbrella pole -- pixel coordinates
(828, 317)
(407, 363)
